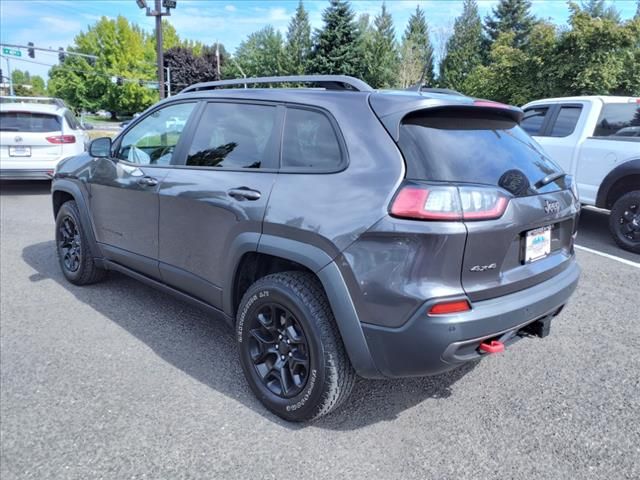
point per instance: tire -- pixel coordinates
(624, 221)
(73, 249)
(282, 319)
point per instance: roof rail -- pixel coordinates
(45, 100)
(329, 82)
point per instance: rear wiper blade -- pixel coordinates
(549, 178)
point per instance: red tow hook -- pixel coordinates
(494, 346)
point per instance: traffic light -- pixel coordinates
(92, 61)
(32, 52)
(61, 55)
(119, 81)
(1, 76)
(141, 83)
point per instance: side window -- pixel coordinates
(309, 141)
(234, 135)
(71, 120)
(153, 140)
(618, 119)
(566, 121)
(533, 119)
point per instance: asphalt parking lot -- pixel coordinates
(117, 380)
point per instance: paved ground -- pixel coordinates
(119, 381)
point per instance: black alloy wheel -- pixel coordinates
(630, 222)
(70, 244)
(279, 350)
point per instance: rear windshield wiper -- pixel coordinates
(549, 178)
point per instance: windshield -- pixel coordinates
(473, 147)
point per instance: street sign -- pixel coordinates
(9, 51)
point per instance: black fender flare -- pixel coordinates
(629, 167)
(67, 186)
(322, 264)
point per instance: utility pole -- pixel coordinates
(159, 53)
(10, 77)
(168, 81)
(217, 60)
(158, 13)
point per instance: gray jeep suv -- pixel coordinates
(341, 231)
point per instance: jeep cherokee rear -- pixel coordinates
(341, 230)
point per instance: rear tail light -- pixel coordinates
(60, 139)
(448, 202)
(455, 306)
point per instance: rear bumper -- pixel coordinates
(428, 345)
(26, 174)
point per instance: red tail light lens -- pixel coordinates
(438, 202)
(60, 139)
(455, 306)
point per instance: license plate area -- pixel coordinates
(19, 151)
(537, 244)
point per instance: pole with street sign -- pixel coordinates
(16, 53)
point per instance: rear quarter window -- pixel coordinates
(309, 141)
(29, 122)
(474, 147)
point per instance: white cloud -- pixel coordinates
(230, 8)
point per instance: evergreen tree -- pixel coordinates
(600, 9)
(464, 48)
(416, 44)
(637, 15)
(510, 16)
(385, 57)
(298, 46)
(335, 50)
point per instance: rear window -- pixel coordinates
(616, 118)
(29, 122)
(471, 147)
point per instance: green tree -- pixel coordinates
(298, 46)
(417, 47)
(381, 71)
(336, 49)
(595, 55)
(464, 48)
(262, 54)
(122, 53)
(637, 15)
(510, 16)
(600, 9)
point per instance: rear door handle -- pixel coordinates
(147, 181)
(244, 193)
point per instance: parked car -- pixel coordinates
(35, 136)
(597, 140)
(340, 231)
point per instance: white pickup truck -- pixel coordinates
(597, 141)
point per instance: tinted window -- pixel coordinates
(153, 140)
(467, 148)
(616, 116)
(29, 122)
(232, 135)
(566, 121)
(309, 141)
(533, 120)
(71, 120)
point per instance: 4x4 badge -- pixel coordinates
(551, 206)
(482, 268)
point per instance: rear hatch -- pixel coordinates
(481, 168)
(30, 136)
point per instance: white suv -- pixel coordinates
(596, 139)
(35, 134)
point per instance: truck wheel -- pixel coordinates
(624, 221)
(74, 252)
(290, 348)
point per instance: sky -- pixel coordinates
(55, 23)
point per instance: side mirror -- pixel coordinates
(100, 147)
